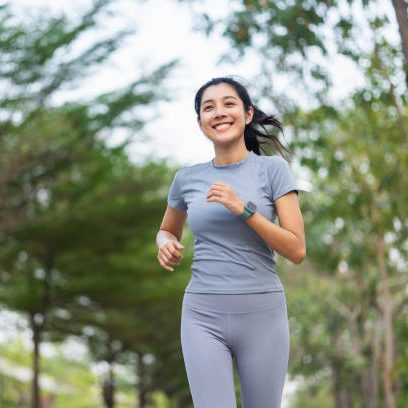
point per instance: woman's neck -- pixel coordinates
(229, 156)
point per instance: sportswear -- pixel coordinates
(250, 329)
(229, 256)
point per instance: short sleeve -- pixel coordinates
(175, 197)
(281, 178)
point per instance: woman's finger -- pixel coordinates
(169, 268)
(168, 260)
(166, 251)
(175, 252)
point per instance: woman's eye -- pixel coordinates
(210, 107)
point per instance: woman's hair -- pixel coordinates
(260, 119)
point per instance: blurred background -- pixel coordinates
(97, 115)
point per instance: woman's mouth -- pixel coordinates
(222, 126)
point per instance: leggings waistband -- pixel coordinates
(234, 303)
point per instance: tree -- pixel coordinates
(52, 155)
(355, 221)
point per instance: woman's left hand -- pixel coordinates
(223, 193)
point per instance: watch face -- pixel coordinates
(251, 206)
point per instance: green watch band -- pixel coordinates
(249, 210)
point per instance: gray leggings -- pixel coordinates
(253, 329)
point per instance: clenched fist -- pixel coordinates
(223, 193)
(169, 255)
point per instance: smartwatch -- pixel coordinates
(249, 209)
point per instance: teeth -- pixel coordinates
(222, 126)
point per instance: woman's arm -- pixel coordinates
(288, 239)
(168, 237)
(173, 222)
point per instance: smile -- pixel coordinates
(222, 126)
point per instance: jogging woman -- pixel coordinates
(234, 306)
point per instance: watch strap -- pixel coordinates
(246, 213)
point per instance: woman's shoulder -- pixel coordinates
(272, 163)
(273, 159)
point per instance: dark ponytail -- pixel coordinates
(256, 133)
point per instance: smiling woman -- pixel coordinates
(221, 113)
(234, 305)
(226, 108)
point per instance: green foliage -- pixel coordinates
(358, 159)
(72, 383)
(78, 218)
(316, 395)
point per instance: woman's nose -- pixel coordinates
(219, 111)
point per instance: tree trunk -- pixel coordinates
(342, 397)
(387, 313)
(142, 393)
(36, 330)
(400, 7)
(37, 321)
(369, 378)
(108, 388)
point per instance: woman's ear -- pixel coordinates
(199, 122)
(249, 115)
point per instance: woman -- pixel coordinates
(234, 305)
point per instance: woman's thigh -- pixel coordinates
(251, 328)
(260, 343)
(207, 358)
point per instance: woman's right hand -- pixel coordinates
(169, 255)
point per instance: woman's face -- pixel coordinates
(222, 114)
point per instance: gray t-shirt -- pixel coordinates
(229, 256)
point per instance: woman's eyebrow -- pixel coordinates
(224, 97)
